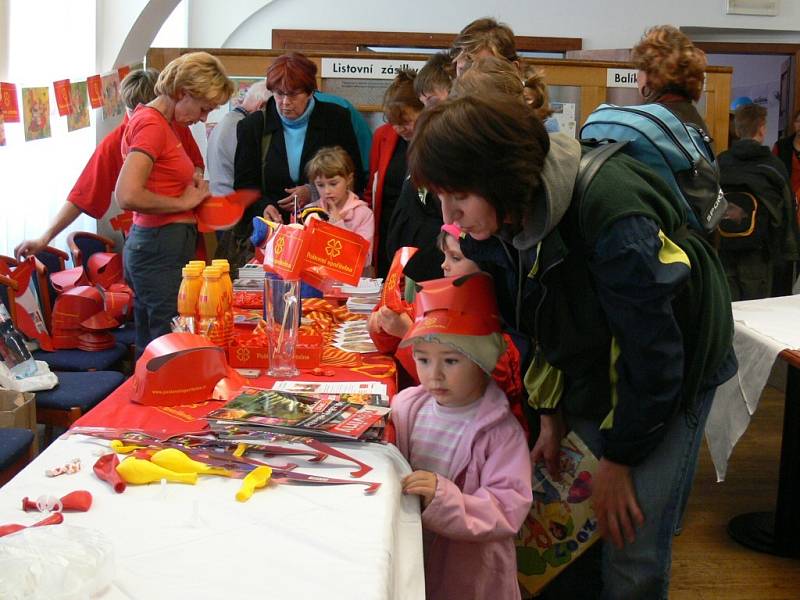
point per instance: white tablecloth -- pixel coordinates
(763, 329)
(287, 541)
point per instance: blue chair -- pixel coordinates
(82, 244)
(15, 452)
(74, 396)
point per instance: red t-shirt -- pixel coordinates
(92, 191)
(149, 132)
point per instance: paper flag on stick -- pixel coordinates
(63, 96)
(336, 252)
(123, 71)
(8, 102)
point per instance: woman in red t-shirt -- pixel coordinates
(158, 182)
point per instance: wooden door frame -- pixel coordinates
(322, 40)
(760, 48)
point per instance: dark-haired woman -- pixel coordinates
(632, 321)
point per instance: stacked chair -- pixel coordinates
(15, 452)
(84, 377)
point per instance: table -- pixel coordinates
(287, 541)
(765, 329)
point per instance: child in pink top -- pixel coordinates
(331, 170)
(470, 460)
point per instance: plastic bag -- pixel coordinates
(59, 562)
(43, 379)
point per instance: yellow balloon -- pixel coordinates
(257, 478)
(175, 460)
(136, 470)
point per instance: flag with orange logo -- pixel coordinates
(334, 252)
(95, 87)
(8, 103)
(63, 96)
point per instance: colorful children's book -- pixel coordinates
(561, 524)
(322, 415)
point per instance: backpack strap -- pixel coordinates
(590, 163)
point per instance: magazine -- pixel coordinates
(373, 393)
(561, 524)
(298, 414)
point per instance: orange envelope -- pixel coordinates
(178, 368)
(338, 253)
(223, 212)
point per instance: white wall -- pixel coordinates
(601, 24)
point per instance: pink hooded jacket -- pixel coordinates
(479, 507)
(355, 216)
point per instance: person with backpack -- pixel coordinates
(630, 313)
(758, 235)
(671, 71)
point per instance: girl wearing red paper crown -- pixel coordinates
(332, 172)
(469, 456)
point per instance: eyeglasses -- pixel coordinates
(288, 95)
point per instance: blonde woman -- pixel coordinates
(160, 184)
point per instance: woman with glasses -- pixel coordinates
(387, 160)
(159, 182)
(274, 144)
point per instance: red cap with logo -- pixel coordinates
(464, 305)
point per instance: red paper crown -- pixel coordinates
(464, 305)
(105, 269)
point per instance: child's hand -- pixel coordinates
(421, 483)
(396, 324)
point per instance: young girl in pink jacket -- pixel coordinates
(470, 461)
(332, 172)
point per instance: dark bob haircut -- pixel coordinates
(292, 72)
(493, 146)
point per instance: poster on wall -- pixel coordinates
(63, 91)
(2, 131)
(8, 102)
(78, 117)
(112, 102)
(36, 113)
(94, 85)
(564, 114)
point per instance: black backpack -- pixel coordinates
(745, 223)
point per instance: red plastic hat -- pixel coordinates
(67, 279)
(105, 269)
(178, 368)
(464, 305)
(223, 212)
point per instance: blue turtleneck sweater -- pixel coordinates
(294, 134)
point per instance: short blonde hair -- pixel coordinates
(488, 75)
(331, 161)
(671, 61)
(199, 74)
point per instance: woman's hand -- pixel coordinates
(548, 445)
(194, 194)
(421, 483)
(303, 197)
(615, 504)
(273, 214)
(396, 324)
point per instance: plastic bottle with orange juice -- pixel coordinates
(227, 296)
(188, 296)
(209, 306)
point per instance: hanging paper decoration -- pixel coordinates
(8, 102)
(95, 89)
(123, 71)
(112, 102)
(63, 100)
(2, 131)
(78, 117)
(36, 113)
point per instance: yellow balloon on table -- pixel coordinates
(135, 470)
(257, 478)
(175, 460)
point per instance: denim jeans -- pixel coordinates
(641, 570)
(153, 259)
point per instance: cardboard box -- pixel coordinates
(18, 409)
